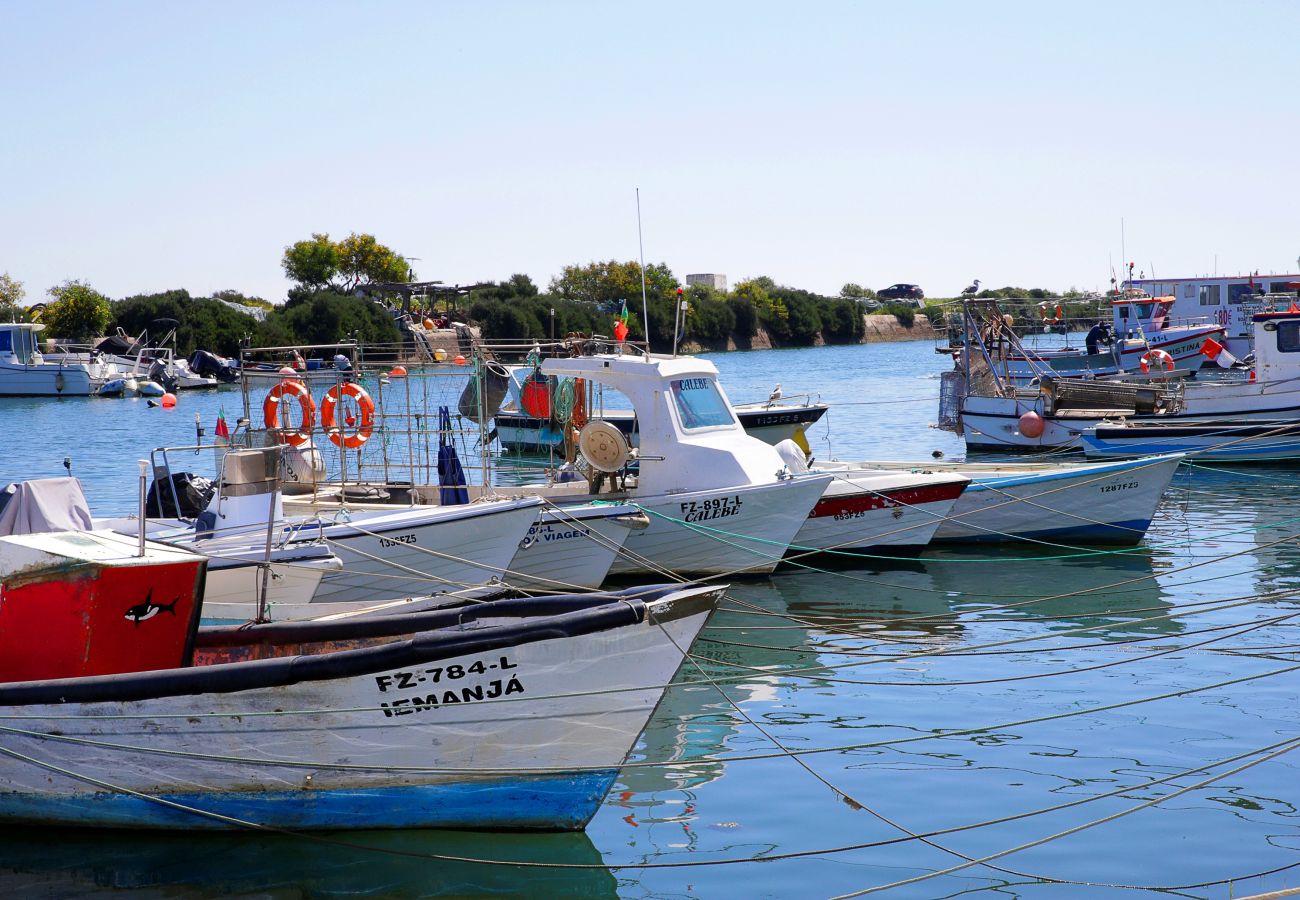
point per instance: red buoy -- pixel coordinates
(1032, 425)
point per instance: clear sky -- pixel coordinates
(183, 144)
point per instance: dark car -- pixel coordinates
(901, 292)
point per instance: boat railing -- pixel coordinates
(574, 345)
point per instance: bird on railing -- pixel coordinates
(775, 395)
(972, 290)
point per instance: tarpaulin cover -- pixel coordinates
(43, 505)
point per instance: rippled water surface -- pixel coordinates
(861, 727)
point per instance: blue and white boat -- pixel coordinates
(508, 715)
(1224, 440)
(1070, 503)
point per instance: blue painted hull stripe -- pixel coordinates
(1000, 482)
(1126, 532)
(535, 803)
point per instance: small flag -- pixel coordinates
(1217, 352)
(620, 324)
(222, 430)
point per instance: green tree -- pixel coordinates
(857, 292)
(325, 318)
(76, 311)
(609, 282)
(363, 260)
(313, 263)
(11, 297)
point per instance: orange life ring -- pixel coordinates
(271, 411)
(1158, 357)
(579, 415)
(1054, 318)
(331, 400)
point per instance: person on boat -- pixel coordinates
(1098, 335)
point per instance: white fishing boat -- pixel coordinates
(25, 372)
(146, 361)
(1142, 324)
(1070, 503)
(510, 715)
(718, 501)
(992, 413)
(1223, 441)
(873, 510)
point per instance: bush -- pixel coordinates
(205, 323)
(323, 317)
(77, 311)
(903, 312)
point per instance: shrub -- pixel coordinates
(77, 311)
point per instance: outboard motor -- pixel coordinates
(159, 375)
(209, 365)
(182, 496)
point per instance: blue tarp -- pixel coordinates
(451, 477)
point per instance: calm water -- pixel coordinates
(1076, 677)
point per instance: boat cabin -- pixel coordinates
(690, 436)
(1277, 345)
(18, 343)
(1229, 301)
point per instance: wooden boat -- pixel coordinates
(1225, 441)
(1090, 503)
(509, 715)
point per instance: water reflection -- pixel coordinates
(64, 862)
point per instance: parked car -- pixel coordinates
(902, 292)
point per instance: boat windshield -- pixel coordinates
(700, 404)
(18, 341)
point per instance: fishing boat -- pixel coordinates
(991, 412)
(1225, 440)
(1072, 503)
(25, 372)
(1142, 324)
(509, 715)
(80, 602)
(525, 424)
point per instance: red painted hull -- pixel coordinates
(78, 620)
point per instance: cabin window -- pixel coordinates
(6, 341)
(1189, 291)
(1239, 293)
(1280, 287)
(1210, 295)
(700, 404)
(1123, 312)
(1288, 337)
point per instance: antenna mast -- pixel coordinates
(645, 315)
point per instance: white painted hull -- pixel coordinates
(504, 738)
(707, 533)
(1066, 502)
(569, 549)
(864, 510)
(415, 551)
(48, 380)
(231, 592)
(993, 422)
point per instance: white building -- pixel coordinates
(717, 282)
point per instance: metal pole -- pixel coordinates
(263, 597)
(645, 315)
(144, 479)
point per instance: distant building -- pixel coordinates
(717, 282)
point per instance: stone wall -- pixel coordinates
(887, 328)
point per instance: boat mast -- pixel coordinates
(645, 315)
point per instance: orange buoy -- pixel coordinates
(168, 401)
(398, 372)
(1032, 424)
(459, 360)
(428, 324)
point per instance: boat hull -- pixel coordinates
(852, 515)
(738, 530)
(569, 549)
(377, 746)
(1229, 442)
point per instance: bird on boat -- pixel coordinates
(972, 290)
(775, 395)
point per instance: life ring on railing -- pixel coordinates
(1156, 358)
(1055, 317)
(364, 428)
(579, 415)
(271, 411)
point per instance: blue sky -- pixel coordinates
(157, 145)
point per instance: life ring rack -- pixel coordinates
(328, 406)
(290, 387)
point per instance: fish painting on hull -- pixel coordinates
(143, 612)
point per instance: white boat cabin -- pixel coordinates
(690, 439)
(1227, 300)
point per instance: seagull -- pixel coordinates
(972, 290)
(775, 395)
